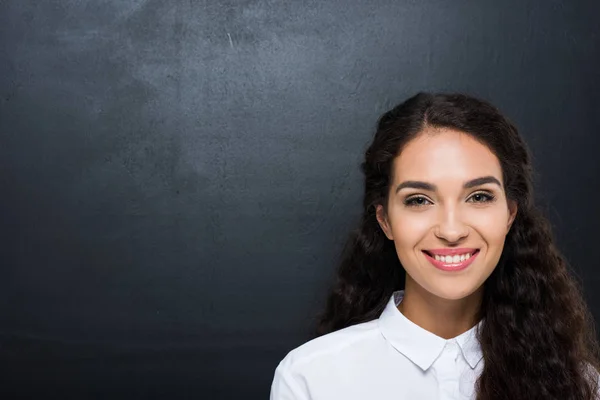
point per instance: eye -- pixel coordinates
(416, 201)
(482, 197)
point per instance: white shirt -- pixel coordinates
(388, 358)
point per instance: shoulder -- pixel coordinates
(304, 366)
(331, 345)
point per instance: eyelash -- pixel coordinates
(410, 201)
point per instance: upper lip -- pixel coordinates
(451, 252)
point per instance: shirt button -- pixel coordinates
(452, 348)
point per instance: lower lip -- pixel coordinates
(451, 267)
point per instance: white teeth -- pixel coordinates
(452, 259)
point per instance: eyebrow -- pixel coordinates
(432, 188)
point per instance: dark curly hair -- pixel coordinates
(537, 334)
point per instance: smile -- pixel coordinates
(451, 259)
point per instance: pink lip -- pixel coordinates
(452, 266)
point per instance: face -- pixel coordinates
(447, 212)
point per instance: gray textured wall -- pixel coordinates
(177, 177)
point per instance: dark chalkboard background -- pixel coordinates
(177, 177)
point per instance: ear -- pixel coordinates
(512, 209)
(383, 221)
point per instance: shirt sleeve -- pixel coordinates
(285, 387)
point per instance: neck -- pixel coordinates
(442, 317)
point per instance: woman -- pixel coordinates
(452, 287)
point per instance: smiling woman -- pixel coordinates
(451, 288)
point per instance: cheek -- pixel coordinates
(410, 228)
(492, 226)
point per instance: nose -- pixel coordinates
(451, 228)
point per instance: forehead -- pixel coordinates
(443, 154)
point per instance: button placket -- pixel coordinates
(447, 370)
(453, 350)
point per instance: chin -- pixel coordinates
(453, 292)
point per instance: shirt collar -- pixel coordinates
(419, 345)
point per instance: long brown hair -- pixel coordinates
(537, 335)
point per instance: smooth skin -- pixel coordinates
(445, 215)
